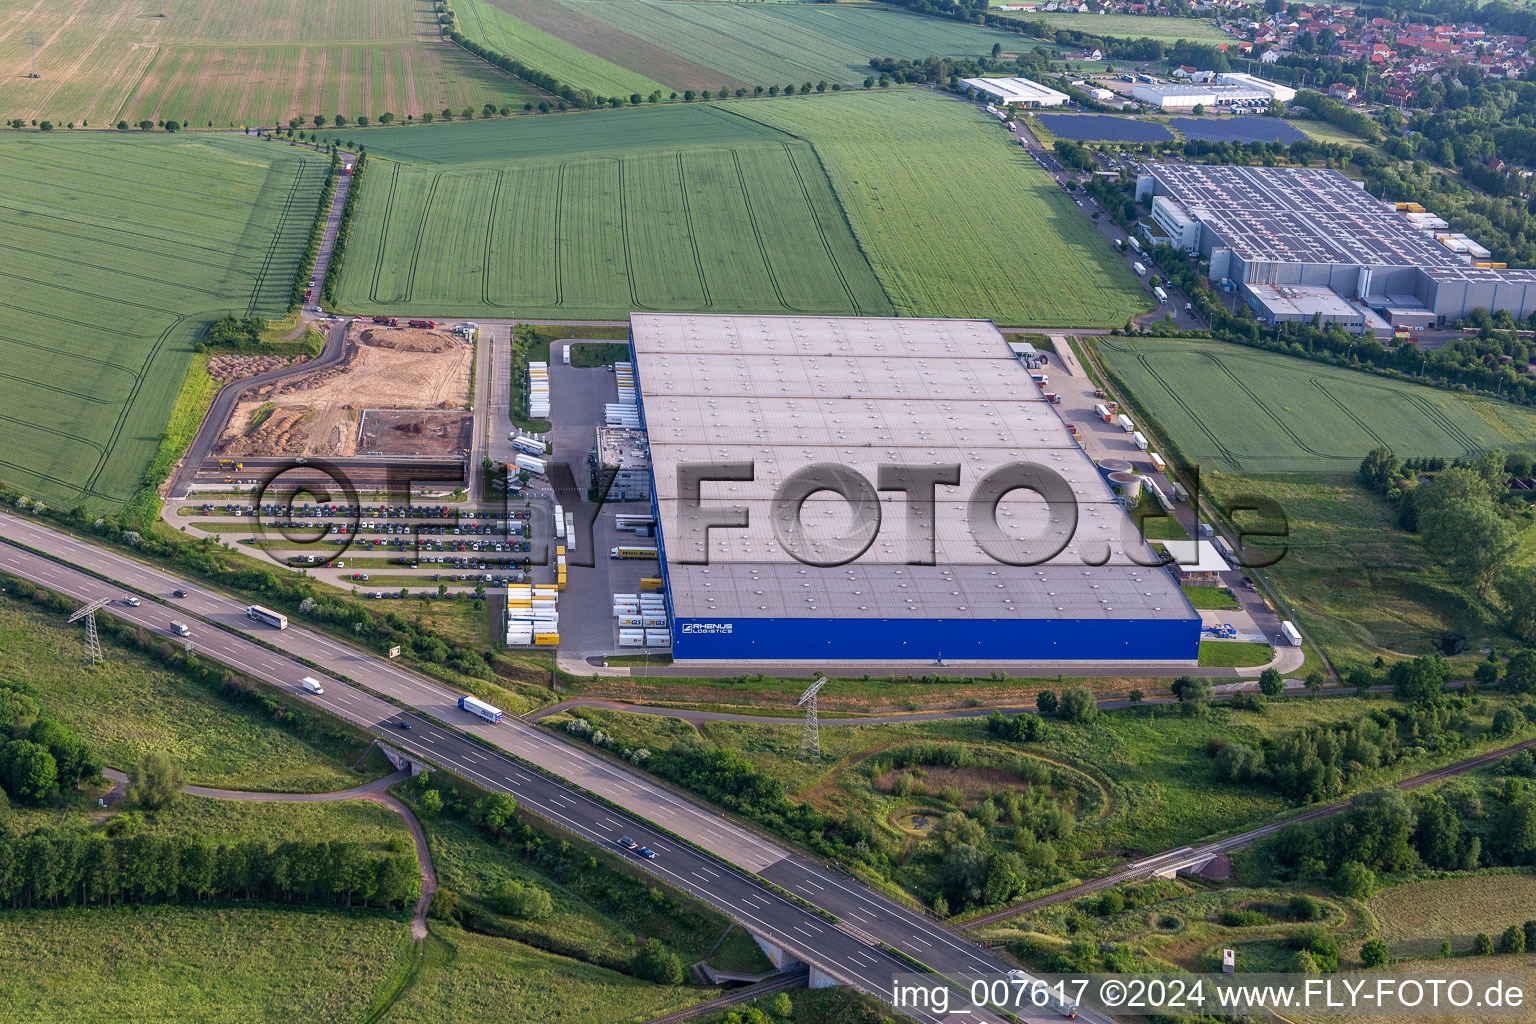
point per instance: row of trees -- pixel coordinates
(343, 230)
(66, 867)
(1323, 761)
(1385, 830)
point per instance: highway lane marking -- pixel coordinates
(716, 900)
(408, 682)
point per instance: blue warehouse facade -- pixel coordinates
(930, 641)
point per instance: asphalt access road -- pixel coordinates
(224, 404)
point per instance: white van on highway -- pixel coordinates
(311, 685)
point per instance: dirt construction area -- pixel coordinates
(320, 413)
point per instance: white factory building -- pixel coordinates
(1003, 91)
(1228, 89)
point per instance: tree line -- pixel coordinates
(1323, 761)
(343, 230)
(65, 867)
(1468, 520)
(1461, 828)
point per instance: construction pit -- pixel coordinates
(395, 391)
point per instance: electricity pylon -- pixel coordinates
(92, 641)
(810, 732)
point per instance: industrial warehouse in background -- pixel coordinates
(1305, 243)
(1016, 91)
(1212, 89)
(778, 394)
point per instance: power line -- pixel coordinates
(810, 732)
(34, 42)
(92, 641)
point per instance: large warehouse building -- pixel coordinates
(1305, 242)
(1021, 91)
(1227, 89)
(750, 403)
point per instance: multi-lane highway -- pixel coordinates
(848, 951)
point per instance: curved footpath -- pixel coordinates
(376, 791)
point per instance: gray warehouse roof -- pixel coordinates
(785, 392)
(1309, 215)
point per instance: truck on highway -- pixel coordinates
(311, 685)
(1162, 296)
(632, 552)
(1141, 271)
(180, 628)
(489, 712)
(277, 620)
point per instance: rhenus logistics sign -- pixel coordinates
(884, 490)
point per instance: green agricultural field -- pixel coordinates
(957, 221)
(376, 827)
(491, 26)
(128, 705)
(119, 250)
(469, 977)
(1417, 917)
(679, 208)
(1130, 26)
(709, 45)
(205, 963)
(230, 63)
(1244, 410)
